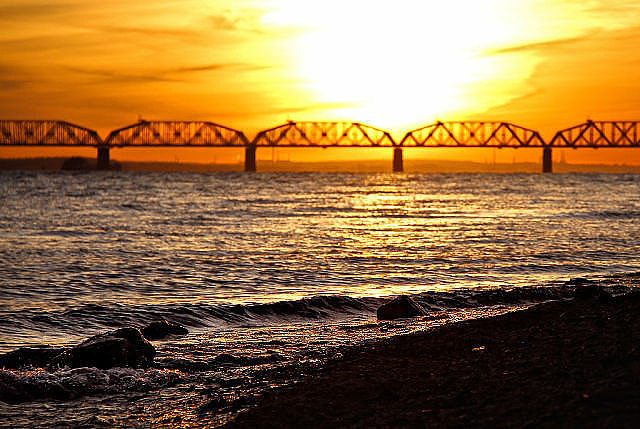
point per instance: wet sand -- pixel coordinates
(559, 364)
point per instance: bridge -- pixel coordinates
(172, 134)
(477, 134)
(318, 134)
(46, 133)
(597, 134)
(465, 134)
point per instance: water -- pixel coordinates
(85, 253)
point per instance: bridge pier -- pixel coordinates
(250, 158)
(398, 164)
(103, 158)
(547, 163)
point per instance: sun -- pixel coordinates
(403, 62)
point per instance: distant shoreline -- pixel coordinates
(369, 166)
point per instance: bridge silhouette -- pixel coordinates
(465, 134)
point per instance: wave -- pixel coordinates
(63, 327)
(66, 384)
(602, 214)
(262, 350)
(76, 323)
(31, 327)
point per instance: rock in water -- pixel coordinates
(34, 357)
(399, 308)
(591, 292)
(162, 329)
(125, 347)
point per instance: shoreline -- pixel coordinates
(355, 166)
(563, 363)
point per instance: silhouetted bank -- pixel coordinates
(569, 363)
(354, 166)
(78, 163)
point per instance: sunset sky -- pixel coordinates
(253, 64)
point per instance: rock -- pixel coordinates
(227, 359)
(226, 383)
(265, 359)
(578, 281)
(401, 307)
(15, 388)
(163, 329)
(591, 292)
(34, 357)
(97, 421)
(213, 404)
(219, 402)
(125, 347)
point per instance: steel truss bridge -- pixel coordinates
(467, 134)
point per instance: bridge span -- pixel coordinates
(465, 134)
(173, 134)
(319, 134)
(474, 134)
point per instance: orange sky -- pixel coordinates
(252, 64)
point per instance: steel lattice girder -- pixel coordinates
(46, 133)
(472, 134)
(599, 134)
(318, 134)
(324, 134)
(176, 133)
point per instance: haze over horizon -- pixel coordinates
(253, 64)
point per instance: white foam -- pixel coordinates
(87, 381)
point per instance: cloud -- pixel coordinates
(521, 98)
(629, 34)
(310, 108)
(23, 12)
(113, 76)
(160, 74)
(9, 84)
(25, 46)
(317, 106)
(264, 108)
(149, 31)
(539, 46)
(239, 20)
(598, 77)
(220, 67)
(224, 22)
(12, 77)
(616, 6)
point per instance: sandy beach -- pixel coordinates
(572, 363)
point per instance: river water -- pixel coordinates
(277, 272)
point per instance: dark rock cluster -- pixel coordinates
(30, 357)
(162, 329)
(124, 347)
(401, 307)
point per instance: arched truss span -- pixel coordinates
(324, 134)
(46, 133)
(176, 133)
(599, 134)
(472, 134)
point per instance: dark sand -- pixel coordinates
(559, 364)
